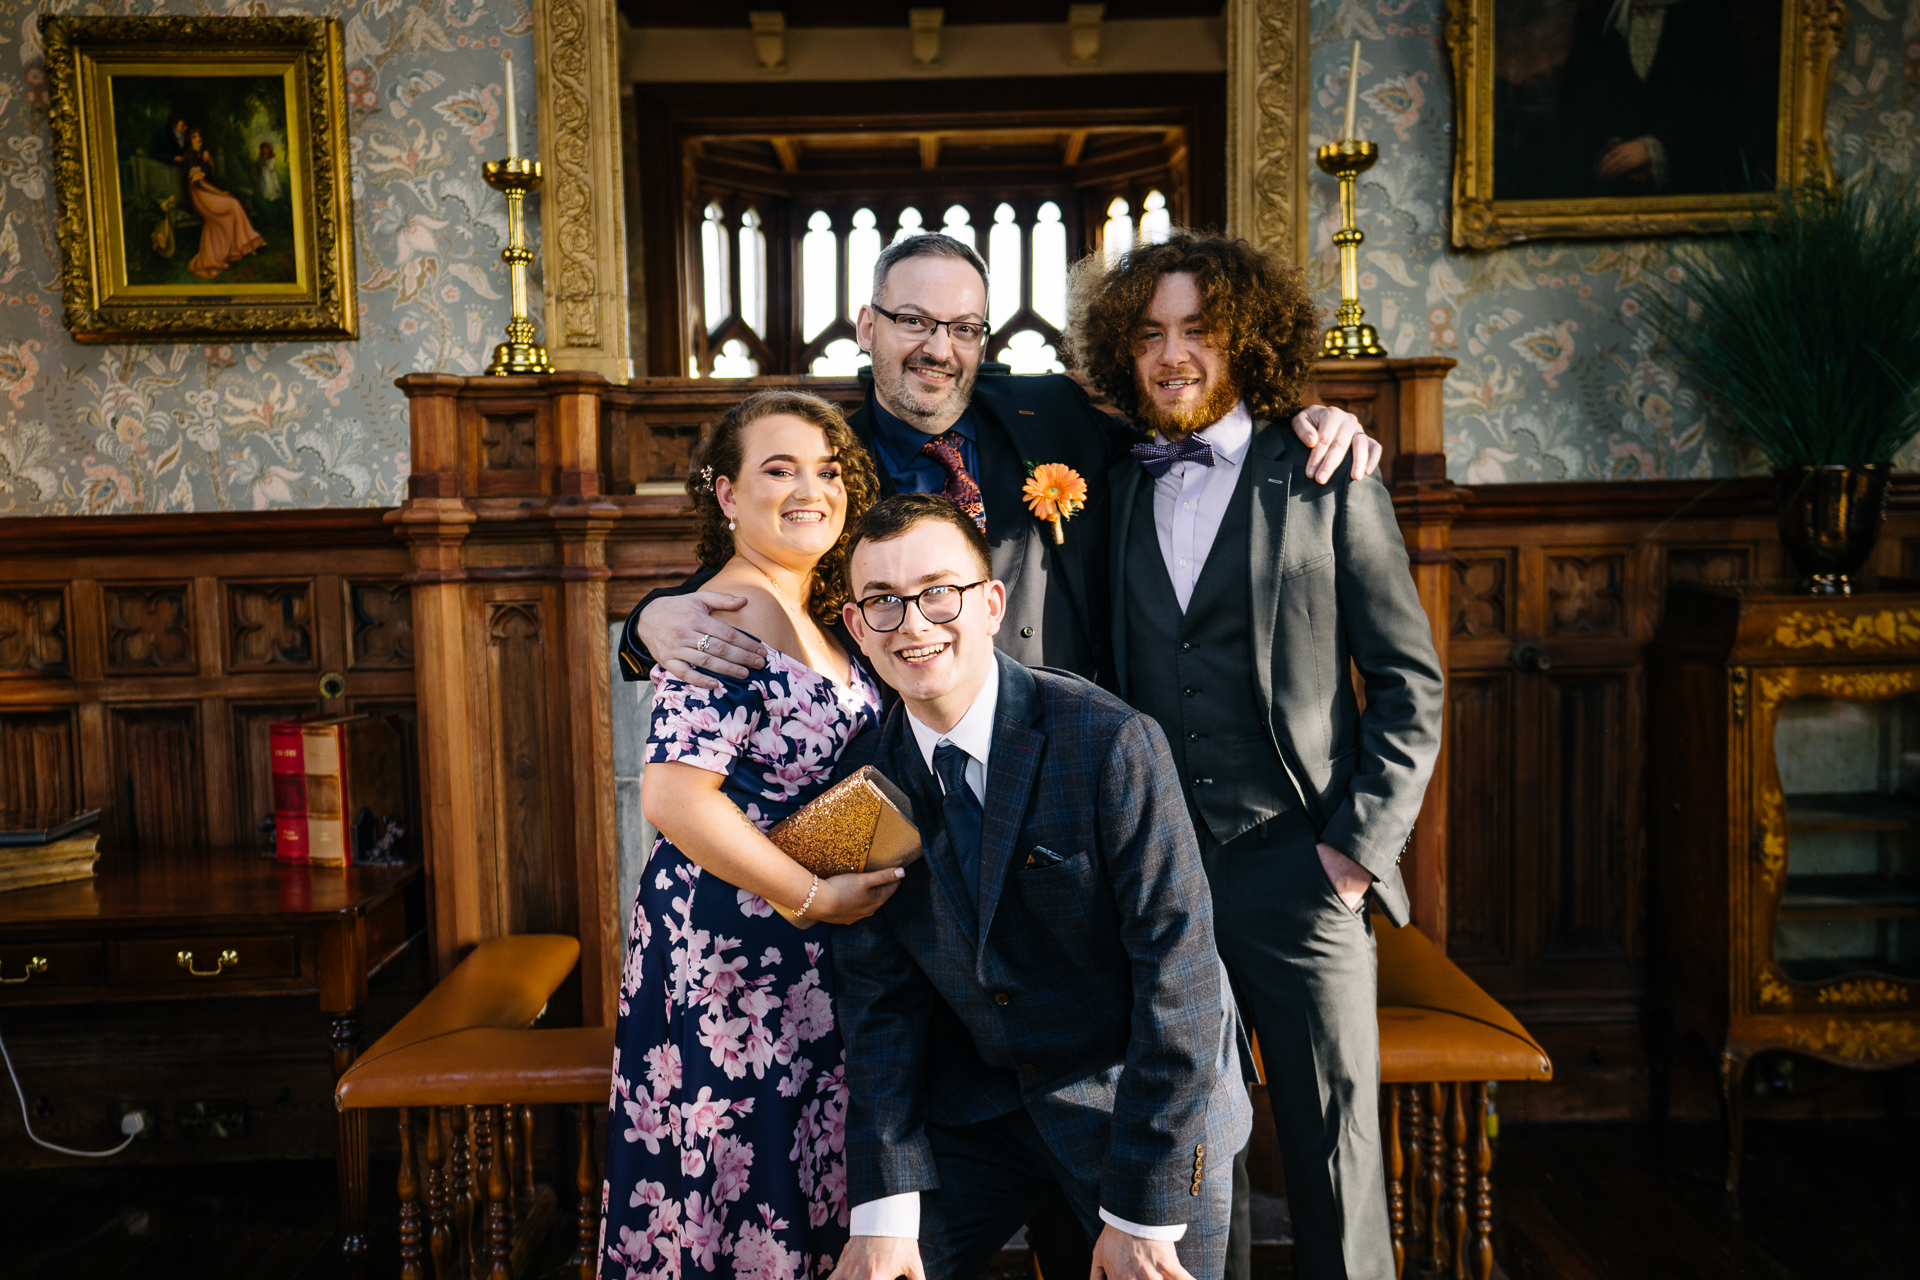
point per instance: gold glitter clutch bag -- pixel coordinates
(860, 823)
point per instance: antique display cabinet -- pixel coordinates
(1784, 824)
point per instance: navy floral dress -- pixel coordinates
(725, 1144)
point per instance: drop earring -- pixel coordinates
(731, 526)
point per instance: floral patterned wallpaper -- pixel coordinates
(1560, 377)
(248, 426)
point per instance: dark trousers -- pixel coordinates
(993, 1173)
(1304, 971)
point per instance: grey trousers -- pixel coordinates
(993, 1173)
(1305, 973)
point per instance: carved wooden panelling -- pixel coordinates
(37, 762)
(33, 633)
(252, 775)
(403, 710)
(380, 615)
(1480, 596)
(1584, 595)
(1480, 815)
(1709, 564)
(535, 886)
(669, 452)
(270, 626)
(1591, 815)
(149, 628)
(156, 779)
(509, 442)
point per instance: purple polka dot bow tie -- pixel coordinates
(1158, 459)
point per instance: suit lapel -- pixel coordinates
(861, 421)
(1012, 770)
(1124, 481)
(1013, 504)
(908, 769)
(1272, 479)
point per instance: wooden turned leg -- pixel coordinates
(1482, 1187)
(510, 1142)
(1436, 1178)
(1457, 1144)
(499, 1203)
(1396, 1186)
(523, 1172)
(440, 1237)
(1416, 1166)
(410, 1268)
(586, 1250)
(1733, 1077)
(482, 1261)
(350, 1143)
(462, 1166)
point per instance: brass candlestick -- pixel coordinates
(1349, 338)
(519, 353)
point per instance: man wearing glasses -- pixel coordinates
(934, 426)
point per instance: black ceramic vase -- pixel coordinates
(1829, 520)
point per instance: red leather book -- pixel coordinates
(289, 791)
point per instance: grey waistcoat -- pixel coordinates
(1194, 673)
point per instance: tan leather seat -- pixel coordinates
(503, 982)
(1437, 1024)
(486, 1066)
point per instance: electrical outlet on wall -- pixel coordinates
(202, 1118)
(148, 1113)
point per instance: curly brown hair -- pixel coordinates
(1256, 304)
(720, 455)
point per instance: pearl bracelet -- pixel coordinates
(809, 902)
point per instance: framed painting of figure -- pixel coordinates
(1630, 118)
(201, 168)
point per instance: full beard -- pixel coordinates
(918, 410)
(1221, 396)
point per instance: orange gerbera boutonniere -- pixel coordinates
(1054, 491)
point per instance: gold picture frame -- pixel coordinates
(201, 170)
(1809, 37)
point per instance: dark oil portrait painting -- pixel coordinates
(207, 193)
(1634, 98)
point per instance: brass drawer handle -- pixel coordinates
(37, 964)
(227, 958)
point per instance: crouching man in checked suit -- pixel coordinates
(1040, 1003)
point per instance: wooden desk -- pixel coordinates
(226, 922)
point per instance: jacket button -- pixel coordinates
(1002, 998)
(1199, 782)
(1026, 633)
(1188, 692)
(1193, 737)
(1185, 646)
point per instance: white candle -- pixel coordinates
(513, 116)
(1353, 89)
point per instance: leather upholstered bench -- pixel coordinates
(463, 1062)
(1442, 1039)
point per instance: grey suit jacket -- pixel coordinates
(1329, 585)
(1089, 994)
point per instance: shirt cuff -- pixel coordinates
(1174, 1232)
(889, 1216)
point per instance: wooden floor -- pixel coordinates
(1614, 1201)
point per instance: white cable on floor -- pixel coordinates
(130, 1124)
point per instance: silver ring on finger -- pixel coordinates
(704, 644)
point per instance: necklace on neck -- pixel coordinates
(773, 582)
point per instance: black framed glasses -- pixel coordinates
(938, 605)
(964, 333)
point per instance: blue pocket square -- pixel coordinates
(1041, 856)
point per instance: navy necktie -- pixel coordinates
(1158, 459)
(962, 813)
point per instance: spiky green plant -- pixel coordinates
(1804, 330)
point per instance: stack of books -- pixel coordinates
(46, 848)
(338, 789)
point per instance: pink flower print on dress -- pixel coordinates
(796, 1076)
(770, 957)
(663, 1069)
(703, 1231)
(752, 904)
(808, 1012)
(707, 1115)
(647, 1125)
(721, 1035)
(732, 1162)
(758, 1253)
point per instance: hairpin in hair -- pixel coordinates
(706, 477)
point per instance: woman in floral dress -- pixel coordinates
(729, 1093)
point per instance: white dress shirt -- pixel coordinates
(1190, 501)
(899, 1215)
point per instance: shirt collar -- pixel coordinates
(974, 733)
(901, 443)
(1229, 437)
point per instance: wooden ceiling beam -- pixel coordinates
(1075, 142)
(788, 149)
(929, 151)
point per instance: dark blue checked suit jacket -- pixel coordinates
(1116, 1034)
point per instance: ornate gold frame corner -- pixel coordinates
(1810, 36)
(327, 307)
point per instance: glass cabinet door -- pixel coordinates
(1851, 902)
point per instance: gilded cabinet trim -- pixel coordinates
(1811, 31)
(1831, 629)
(1267, 50)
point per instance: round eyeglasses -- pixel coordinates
(938, 605)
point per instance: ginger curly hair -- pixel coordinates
(1256, 304)
(720, 455)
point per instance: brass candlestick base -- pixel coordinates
(1349, 338)
(519, 353)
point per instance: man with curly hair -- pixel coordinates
(1241, 593)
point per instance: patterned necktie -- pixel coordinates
(1158, 459)
(961, 486)
(962, 812)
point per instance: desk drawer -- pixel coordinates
(31, 965)
(271, 955)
